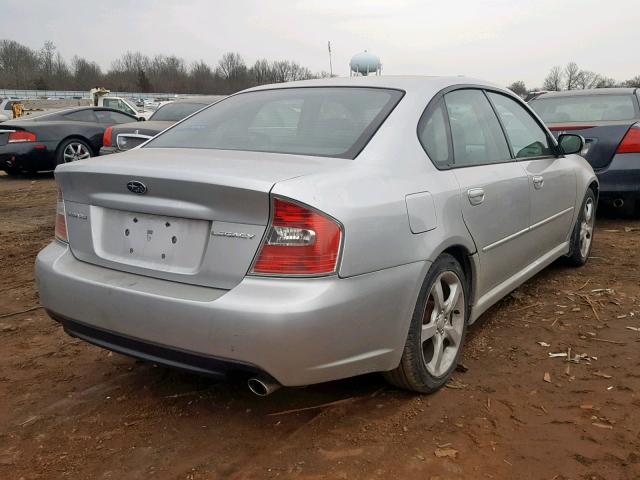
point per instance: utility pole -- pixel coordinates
(330, 65)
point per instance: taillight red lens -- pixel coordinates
(106, 138)
(20, 137)
(299, 241)
(568, 128)
(61, 219)
(631, 141)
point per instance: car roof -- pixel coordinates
(399, 82)
(590, 91)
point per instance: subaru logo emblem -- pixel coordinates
(137, 187)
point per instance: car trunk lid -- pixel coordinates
(602, 138)
(193, 216)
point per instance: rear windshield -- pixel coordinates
(174, 112)
(324, 121)
(585, 108)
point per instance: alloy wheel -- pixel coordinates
(443, 323)
(75, 151)
(586, 227)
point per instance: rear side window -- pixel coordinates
(110, 118)
(433, 136)
(322, 121)
(475, 131)
(586, 108)
(526, 137)
(174, 112)
(81, 116)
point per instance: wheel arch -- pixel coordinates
(76, 136)
(469, 267)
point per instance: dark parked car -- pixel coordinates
(125, 137)
(43, 142)
(609, 120)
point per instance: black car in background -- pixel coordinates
(125, 137)
(609, 120)
(43, 142)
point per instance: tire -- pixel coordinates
(437, 323)
(12, 172)
(73, 149)
(582, 235)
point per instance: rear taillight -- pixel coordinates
(61, 219)
(568, 128)
(631, 141)
(21, 137)
(299, 241)
(106, 138)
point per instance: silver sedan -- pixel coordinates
(311, 231)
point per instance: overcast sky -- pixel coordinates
(498, 40)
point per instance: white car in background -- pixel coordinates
(6, 109)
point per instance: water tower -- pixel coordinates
(365, 63)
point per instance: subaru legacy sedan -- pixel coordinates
(311, 231)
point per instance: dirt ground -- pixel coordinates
(71, 410)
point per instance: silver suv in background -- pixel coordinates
(316, 230)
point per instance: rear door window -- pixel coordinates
(475, 131)
(81, 116)
(109, 118)
(525, 135)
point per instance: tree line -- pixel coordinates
(46, 69)
(572, 77)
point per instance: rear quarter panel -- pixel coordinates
(371, 204)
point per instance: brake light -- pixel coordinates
(61, 219)
(21, 137)
(106, 138)
(299, 241)
(631, 141)
(567, 128)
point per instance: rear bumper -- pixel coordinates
(621, 178)
(299, 331)
(28, 156)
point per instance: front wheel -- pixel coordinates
(582, 236)
(72, 150)
(437, 330)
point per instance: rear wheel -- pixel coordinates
(72, 150)
(12, 172)
(437, 330)
(582, 237)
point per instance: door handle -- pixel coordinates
(476, 196)
(538, 182)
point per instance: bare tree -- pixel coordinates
(554, 79)
(86, 74)
(606, 82)
(632, 82)
(22, 67)
(572, 73)
(519, 88)
(587, 79)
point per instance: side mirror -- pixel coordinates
(570, 143)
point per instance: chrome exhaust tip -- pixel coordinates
(262, 385)
(618, 203)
